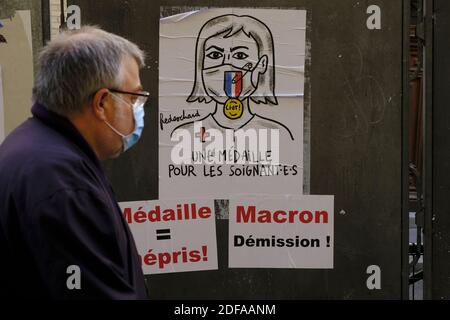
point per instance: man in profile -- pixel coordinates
(58, 215)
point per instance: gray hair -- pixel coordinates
(78, 63)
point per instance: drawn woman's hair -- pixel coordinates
(227, 26)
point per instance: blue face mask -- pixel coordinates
(132, 138)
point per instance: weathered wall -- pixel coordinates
(355, 95)
(7, 9)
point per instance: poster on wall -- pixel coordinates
(173, 236)
(231, 86)
(291, 233)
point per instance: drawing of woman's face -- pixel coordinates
(236, 53)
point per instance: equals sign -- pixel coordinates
(163, 234)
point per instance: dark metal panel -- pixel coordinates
(356, 144)
(441, 152)
(356, 82)
(428, 150)
(46, 23)
(405, 150)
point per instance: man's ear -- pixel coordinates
(99, 103)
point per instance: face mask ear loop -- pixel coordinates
(115, 96)
(114, 129)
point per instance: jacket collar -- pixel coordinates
(66, 128)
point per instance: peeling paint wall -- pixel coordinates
(16, 61)
(7, 10)
(22, 20)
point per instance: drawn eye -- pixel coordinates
(215, 55)
(240, 55)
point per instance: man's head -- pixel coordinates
(80, 74)
(232, 43)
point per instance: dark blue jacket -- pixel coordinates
(57, 209)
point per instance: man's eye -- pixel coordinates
(240, 55)
(215, 55)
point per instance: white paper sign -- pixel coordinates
(231, 84)
(282, 233)
(173, 236)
